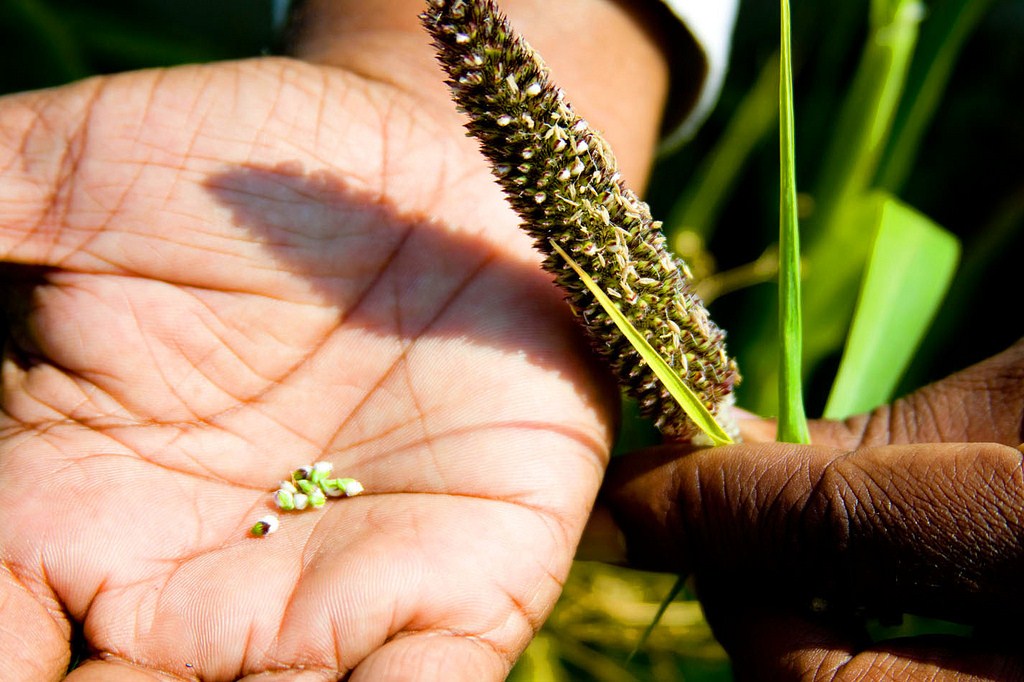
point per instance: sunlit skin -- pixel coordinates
(215, 274)
(222, 272)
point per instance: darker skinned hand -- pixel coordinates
(916, 508)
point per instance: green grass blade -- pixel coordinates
(675, 385)
(677, 587)
(838, 241)
(909, 271)
(792, 424)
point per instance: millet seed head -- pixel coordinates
(560, 176)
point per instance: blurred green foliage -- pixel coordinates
(953, 154)
(49, 42)
(952, 149)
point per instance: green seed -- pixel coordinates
(317, 498)
(265, 526)
(285, 500)
(350, 486)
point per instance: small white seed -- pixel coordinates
(352, 487)
(320, 471)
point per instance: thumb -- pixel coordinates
(381, 41)
(33, 644)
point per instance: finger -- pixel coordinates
(772, 646)
(984, 402)
(32, 645)
(123, 671)
(929, 529)
(434, 656)
(117, 175)
(114, 671)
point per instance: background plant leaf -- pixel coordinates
(911, 265)
(836, 248)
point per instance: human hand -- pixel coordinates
(218, 273)
(915, 508)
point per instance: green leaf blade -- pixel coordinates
(792, 424)
(910, 268)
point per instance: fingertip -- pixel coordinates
(433, 656)
(682, 508)
(754, 429)
(639, 497)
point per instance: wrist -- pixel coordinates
(600, 52)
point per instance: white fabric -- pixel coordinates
(711, 23)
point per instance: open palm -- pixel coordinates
(224, 272)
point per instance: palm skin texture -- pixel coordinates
(220, 273)
(215, 274)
